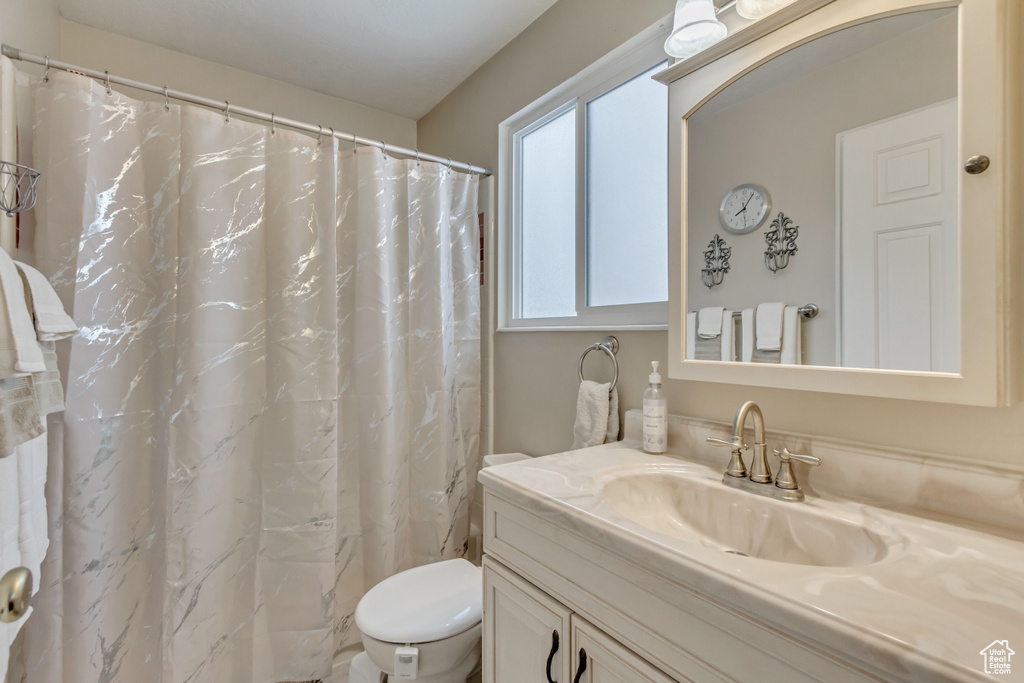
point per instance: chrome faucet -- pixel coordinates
(759, 479)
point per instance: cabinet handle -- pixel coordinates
(551, 655)
(583, 666)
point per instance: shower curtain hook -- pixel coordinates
(227, 112)
(385, 148)
(108, 81)
(417, 157)
(320, 135)
(450, 165)
(332, 135)
(273, 124)
(167, 103)
(46, 74)
(355, 144)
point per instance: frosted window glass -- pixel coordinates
(548, 226)
(627, 193)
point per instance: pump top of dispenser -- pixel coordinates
(655, 378)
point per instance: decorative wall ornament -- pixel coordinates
(716, 259)
(781, 239)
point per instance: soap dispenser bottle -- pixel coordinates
(655, 415)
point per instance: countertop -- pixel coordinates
(941, 595)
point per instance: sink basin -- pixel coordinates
(692, 507)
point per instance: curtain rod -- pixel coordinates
(228, 108)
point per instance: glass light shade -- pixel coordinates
(755, 9)
(694, 28)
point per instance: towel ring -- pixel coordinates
(610, 345)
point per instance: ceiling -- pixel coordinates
(401, 56)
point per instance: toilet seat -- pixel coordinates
(424, 604)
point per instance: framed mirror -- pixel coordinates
(854, 124)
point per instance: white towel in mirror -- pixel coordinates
(768, 326)
(709, 322)
(721, 347)
(792, 348)
(747, 334)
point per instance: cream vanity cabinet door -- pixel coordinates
(525, 631)
(607, 661)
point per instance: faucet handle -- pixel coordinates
(786, 479)
(731, 443)
(785, 456)
(737, 468)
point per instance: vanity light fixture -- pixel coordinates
(694, 28)
(755, 9)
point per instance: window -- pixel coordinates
(584, 198)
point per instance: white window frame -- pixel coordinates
(634, 57)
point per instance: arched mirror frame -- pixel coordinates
(989, 77)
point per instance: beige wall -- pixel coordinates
(35, 26)
(535, 374)
(786, 138)
(93, 48)
(31, 25)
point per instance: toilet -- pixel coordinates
(422, 624)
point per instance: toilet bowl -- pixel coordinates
(423, 624)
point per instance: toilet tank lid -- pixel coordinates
(427, 603)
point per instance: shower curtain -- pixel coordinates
(273, 402)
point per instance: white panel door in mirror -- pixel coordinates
(899, 305)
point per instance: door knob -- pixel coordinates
(977, 164)
(15, 591)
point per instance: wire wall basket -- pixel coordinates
(17, 187)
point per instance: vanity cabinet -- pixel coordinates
(608, 661)
(529, 636)
(544, 574)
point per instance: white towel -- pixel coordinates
(792, 351)
(728, 336)
(747, 333)
(701, 348)
(768, 326)
(22, 523)
(18, 336)
(51, 322)
(709, 322)
(597, 415)
(23, 539)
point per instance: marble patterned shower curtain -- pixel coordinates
(273, 402)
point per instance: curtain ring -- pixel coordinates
(332, 136)
(385, 148)
(449, 164)
(108, 81)
(273, 124)
(320, 135)
(417, 157)
(355, 144)
(227, 112)
(167, 104)
(46, 74)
